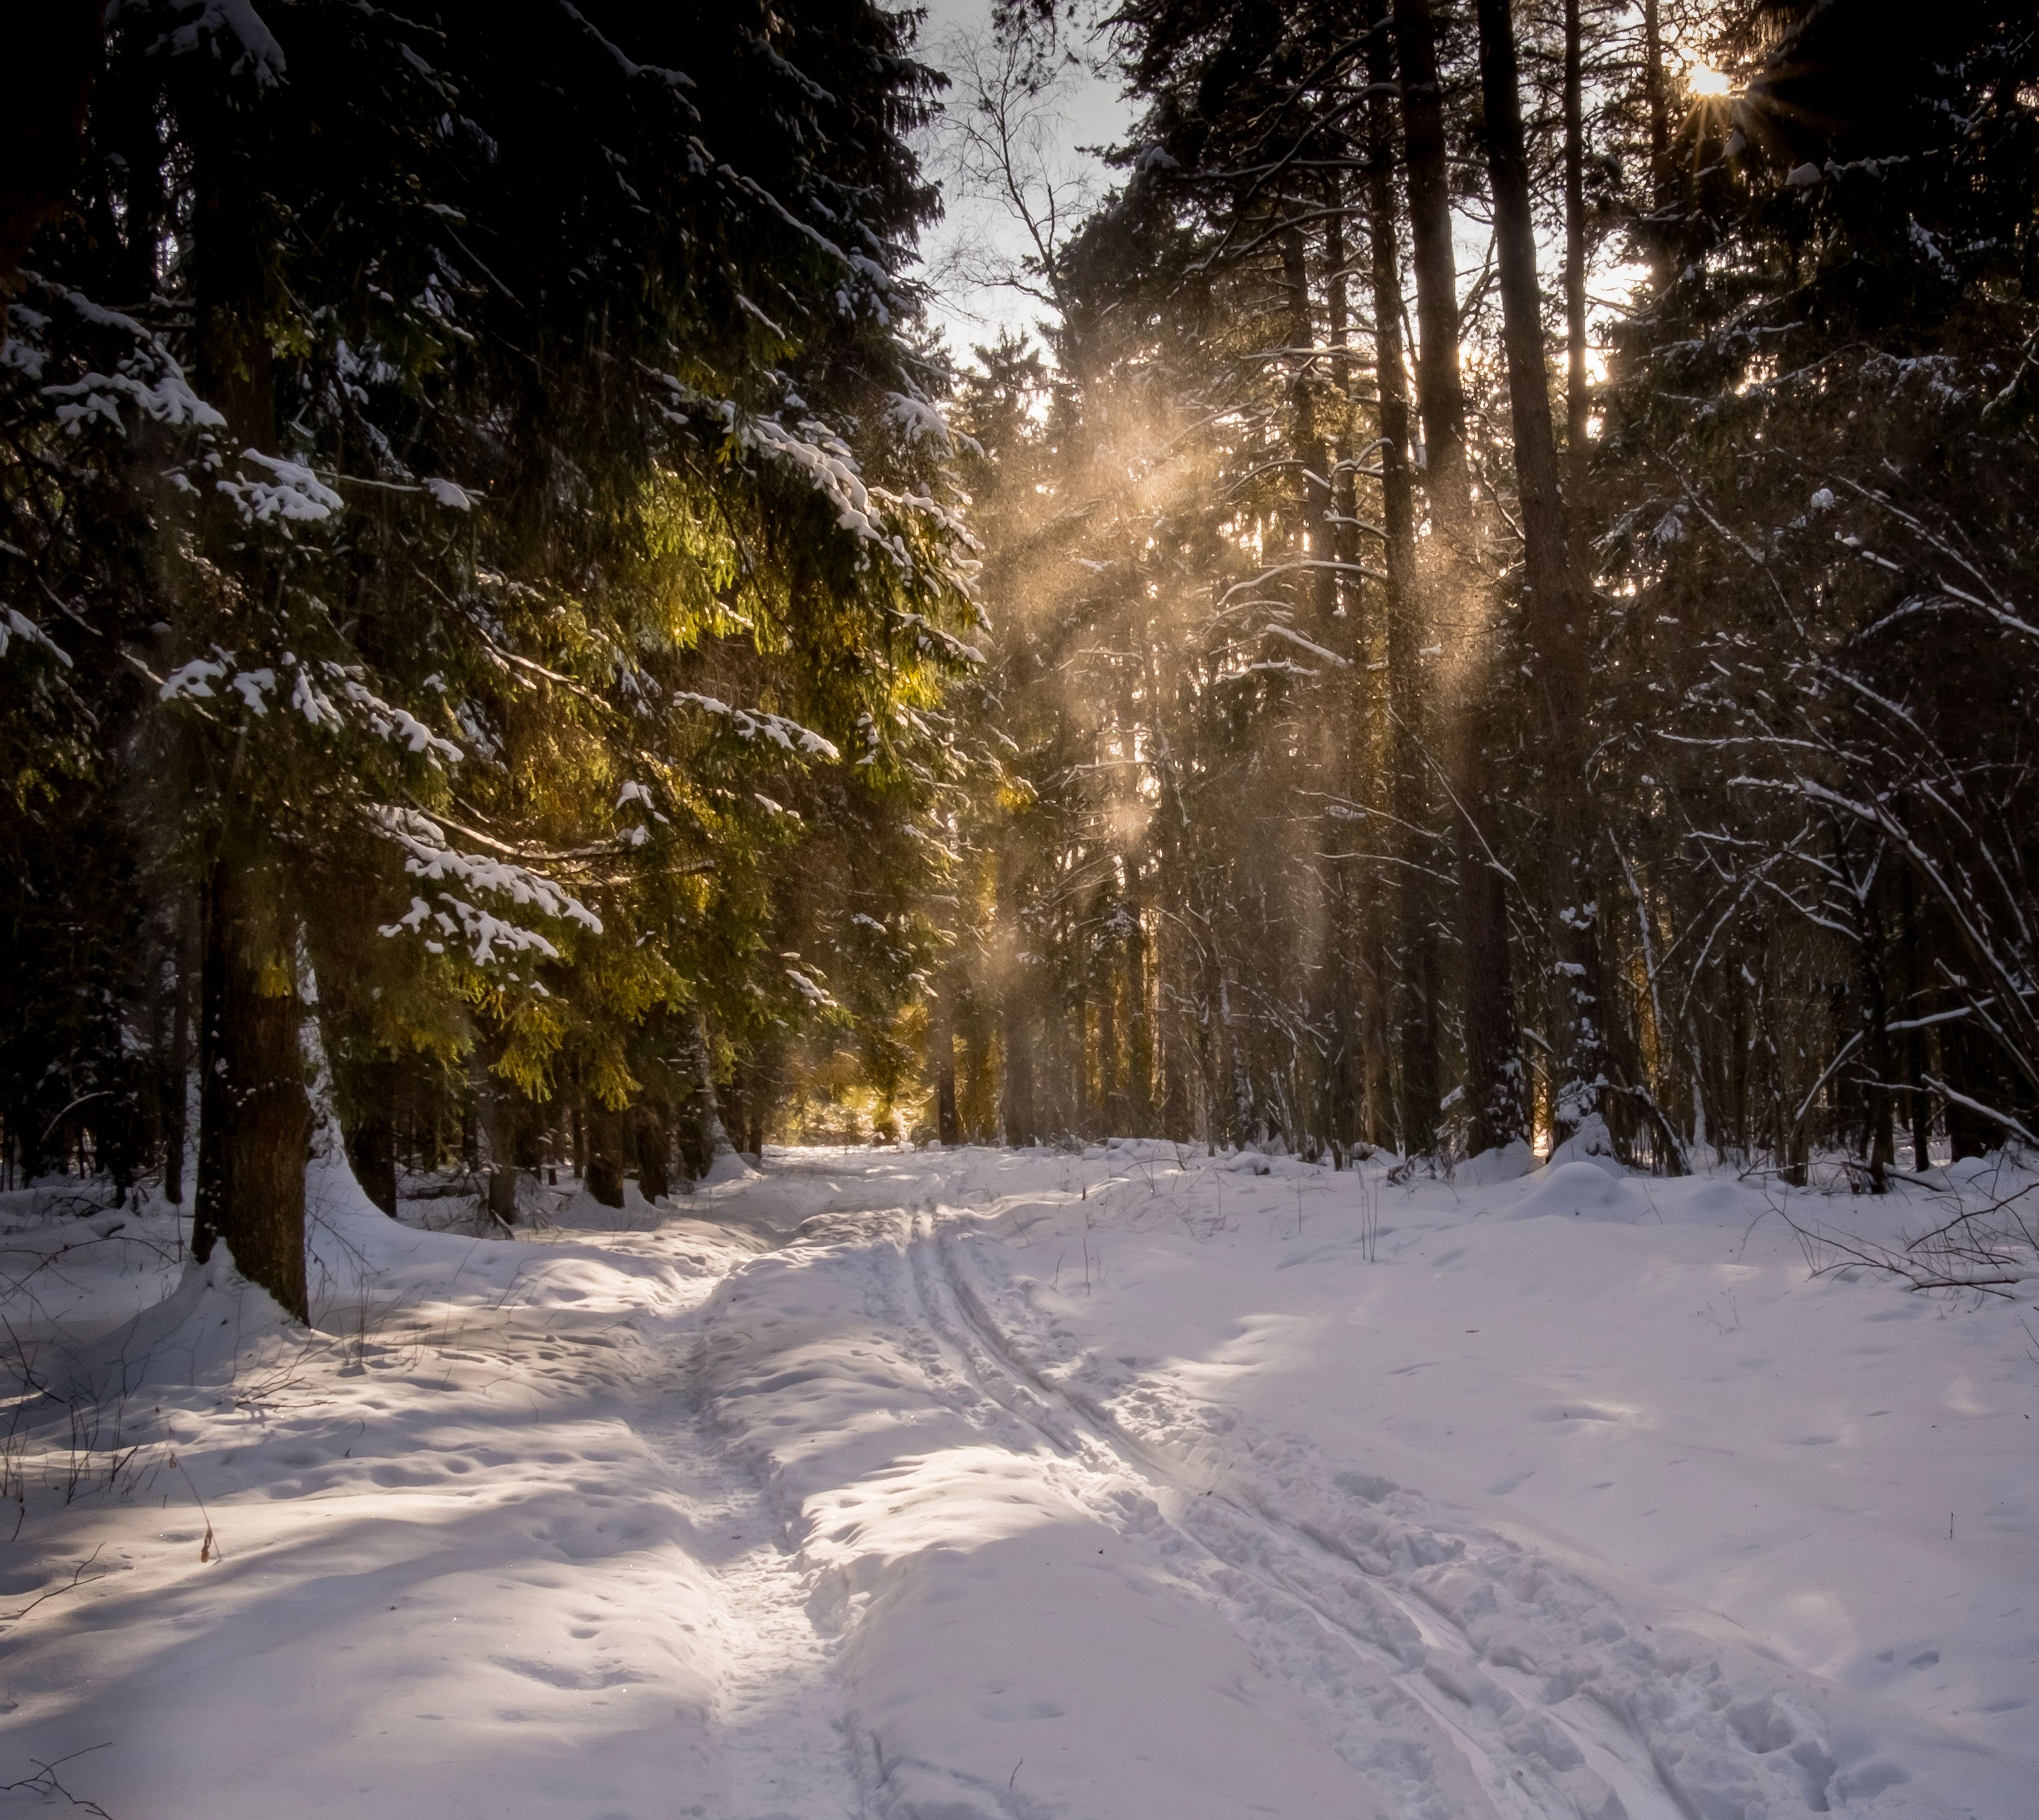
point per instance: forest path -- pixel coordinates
(1390, 1683)
(1030, 1486)
(1048, 1577)
(777, 1724)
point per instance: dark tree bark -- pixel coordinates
(1553, 604)
(370, 1133)
(255, 1127)
(1017, 1107)
(1341, 538)
(1315, 511)
(495, 1119)
(1351, 939)
(1656, 97)
(1493, 1061)
(1919, 1101)
(1577, 401)
(1139, 1023)
(1416, 1010)
(1017, 1110)
(1440, 390)
(603, 1176)
(500, 1197)
(177, 1122)
(698, 1127)
(255, 1115)
(653, 1147)
(1548, 602)
(941, 1038)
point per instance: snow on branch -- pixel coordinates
(931, 637)
(869, 270)
(18, 624)
(385, 719)
(148, 377)
(260, 54)
(427, 856)
(805, 984)
(917, 421)
(755, 724)
(167, 398)
(817, 454)
(325, 694)
(630, 67)
(296, 495)
(824, 461)
(1295, 637)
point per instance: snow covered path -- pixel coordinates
(780, 1751)
(977, 1486)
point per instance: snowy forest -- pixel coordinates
(685, 611)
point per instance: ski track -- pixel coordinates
(878, 1456)
(1437, 1740)
(1460, 1675)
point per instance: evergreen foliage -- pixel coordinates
(490, 581)
(469, 477)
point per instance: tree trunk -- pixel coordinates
(603, 1176)
(178, 1125)
(1016, 1099)
(1352, 943)
(1656, 100)
(255, 1120)
(255, 1117)
(493, 1117)
(1879, 1145)
(1576, 398)
(1440, 391)
(1493, 1064)
(1416, 1009)
(370, 1133)
(1919, 1101)
(654, 1149)
(1553, 605)
(1314, 542)
(941, 1039)
(1139, 1023)
(1341, 539)
(701, 1138)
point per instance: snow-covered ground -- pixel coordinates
(1135, 1485)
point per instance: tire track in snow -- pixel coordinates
(1653, 1739)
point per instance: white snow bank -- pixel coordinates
(1582, 1191)
(214, 1324)
(1128, 1485)
(433, 1559)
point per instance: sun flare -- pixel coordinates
(1705, 80)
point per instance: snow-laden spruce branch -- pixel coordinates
(325, 693)
(429, 856)
(816, 454)
(755, 724)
